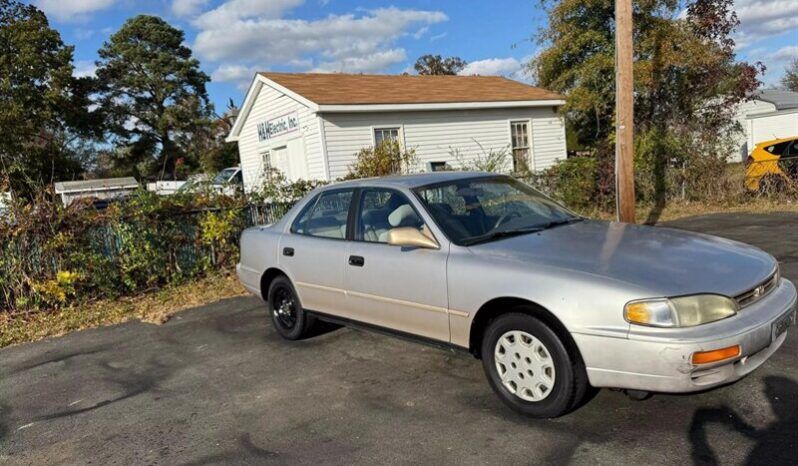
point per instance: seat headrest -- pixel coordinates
(375, 216)
(404, 215)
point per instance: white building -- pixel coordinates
(102, 189)
(773, 114)
(311, 126)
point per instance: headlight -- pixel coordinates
(685, 311)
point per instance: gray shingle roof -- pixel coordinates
(783, 100)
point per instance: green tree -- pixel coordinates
(790, 79)
(43, 108)
(687, 80)
(154, 94)
(434, 64)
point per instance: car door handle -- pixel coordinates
(357, 261)
(288, 252)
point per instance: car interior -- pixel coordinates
(377, 218)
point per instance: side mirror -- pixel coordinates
(409, 236)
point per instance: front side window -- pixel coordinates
(475, 210)
(519, 139)
(383, 209)
(326, 217)
(385, 134)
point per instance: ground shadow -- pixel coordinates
(775, 443)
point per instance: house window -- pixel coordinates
(438, 166)
(267, 165)
(519, 138)
(385, 134)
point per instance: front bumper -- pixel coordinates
(659, 360)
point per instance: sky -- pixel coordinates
(235, 38)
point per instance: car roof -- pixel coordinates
(410, 181)
(776, 141)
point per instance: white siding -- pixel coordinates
(741, 145)
(548, 141)
(783, 124)
(436, 134)
(270, 103)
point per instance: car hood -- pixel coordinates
(664, 261)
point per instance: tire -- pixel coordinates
(288, 317)
(543, 377)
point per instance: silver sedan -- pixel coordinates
(553, 304)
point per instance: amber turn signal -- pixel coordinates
(706, 357)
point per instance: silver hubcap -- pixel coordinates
(524, 365)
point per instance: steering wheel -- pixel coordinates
(505, 217)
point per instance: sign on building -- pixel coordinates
(277, 126)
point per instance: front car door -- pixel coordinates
(313, 253)
(399, 288)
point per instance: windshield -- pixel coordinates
(224, 175)
(474, 210)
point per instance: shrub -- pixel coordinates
(387, 158)
(491, 160)
(51, 256)
(584, 182)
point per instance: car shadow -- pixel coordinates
(774, 444)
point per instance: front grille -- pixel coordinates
(758, 292)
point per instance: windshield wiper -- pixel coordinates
(557, 223)
(490, 236)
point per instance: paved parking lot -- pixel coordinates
(216, 385)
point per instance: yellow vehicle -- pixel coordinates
(772, 165)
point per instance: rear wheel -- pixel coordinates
(530, 368)
(289, 318)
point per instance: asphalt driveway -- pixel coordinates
(217, 385)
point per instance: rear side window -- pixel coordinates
(326, 216)
(777, 149)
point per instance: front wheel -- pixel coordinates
(289, 318)
(530, 368)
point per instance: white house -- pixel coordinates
(772, 114)
(310, 126)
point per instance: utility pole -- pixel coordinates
(624, 113)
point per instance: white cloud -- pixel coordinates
(437, 37)
(72, 10)
(226, 15)
(420, 33)
(84, 68)
(350, 42)
(187, 8)
(240, 75)
(83, 33)
(493, 67)
(762, 19)
(784, 54)
(371, 63)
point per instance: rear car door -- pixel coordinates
(313, 253)
(399, 288)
